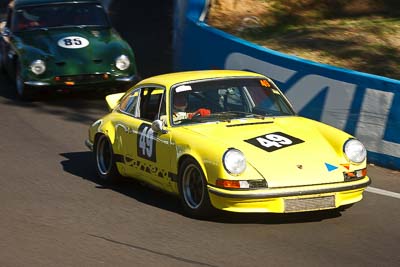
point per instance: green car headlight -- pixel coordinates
(234, 161)
(355, 151)
(122, 62)
(38, 67)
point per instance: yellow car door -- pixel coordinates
(146, 148)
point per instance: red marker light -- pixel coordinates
(228, 183)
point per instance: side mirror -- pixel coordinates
(158, 127)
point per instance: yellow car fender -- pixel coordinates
(108, 129)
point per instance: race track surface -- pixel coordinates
(53, 212)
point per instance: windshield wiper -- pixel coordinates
(89, 25)
(238, 114)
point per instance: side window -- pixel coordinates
(150, 102)
(163, 109)
(129, 103)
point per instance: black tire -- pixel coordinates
(193, 190)
(23, 91)
(105, 160)
(2, 69)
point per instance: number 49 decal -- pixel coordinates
(146, 143)
(274, 141)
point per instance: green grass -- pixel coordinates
(367, 41)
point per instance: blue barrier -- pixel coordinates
(364, 105)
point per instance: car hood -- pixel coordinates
(286, 151)
(100, 46)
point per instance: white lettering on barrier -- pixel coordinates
(372, 122)
(244, 62)
(338, 100)
(375, 104)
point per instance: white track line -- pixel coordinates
(382, 192)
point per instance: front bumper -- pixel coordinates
(289, 199)
(86, 81)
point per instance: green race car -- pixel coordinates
(63, 45)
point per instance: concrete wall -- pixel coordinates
(361, 104)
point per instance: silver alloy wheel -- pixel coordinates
(104, 155)
(193, 186)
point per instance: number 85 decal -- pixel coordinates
(146, 143)
(73, 42)
(274, 141)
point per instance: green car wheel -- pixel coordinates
(22, 90)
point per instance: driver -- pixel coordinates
(180, 105)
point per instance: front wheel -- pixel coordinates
(105, 160)
(2, 65)
(23, 91)
(193, 190)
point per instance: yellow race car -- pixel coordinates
(227, 140)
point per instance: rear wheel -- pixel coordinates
(105, 160)
(193, 190)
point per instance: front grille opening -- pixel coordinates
(84, 78)
(309, 204)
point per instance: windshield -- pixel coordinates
(59, 15)
(226, 99)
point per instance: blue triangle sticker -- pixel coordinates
(330, 167)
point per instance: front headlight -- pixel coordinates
(234, 161)
(355, 151)
(38, 67)
(122, 62)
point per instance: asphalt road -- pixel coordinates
(54, 213)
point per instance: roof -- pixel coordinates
(20, 3)
(179, 77)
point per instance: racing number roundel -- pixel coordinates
(73, 42)
(274, 141)
(146, 147)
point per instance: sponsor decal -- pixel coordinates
(274, 141)
(73, 42)
(347, 166)
(265, 83)
(183, 88)
(330, 167)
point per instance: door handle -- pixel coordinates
(126, 128)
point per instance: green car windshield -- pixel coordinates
(59, 15)
(227, 99)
